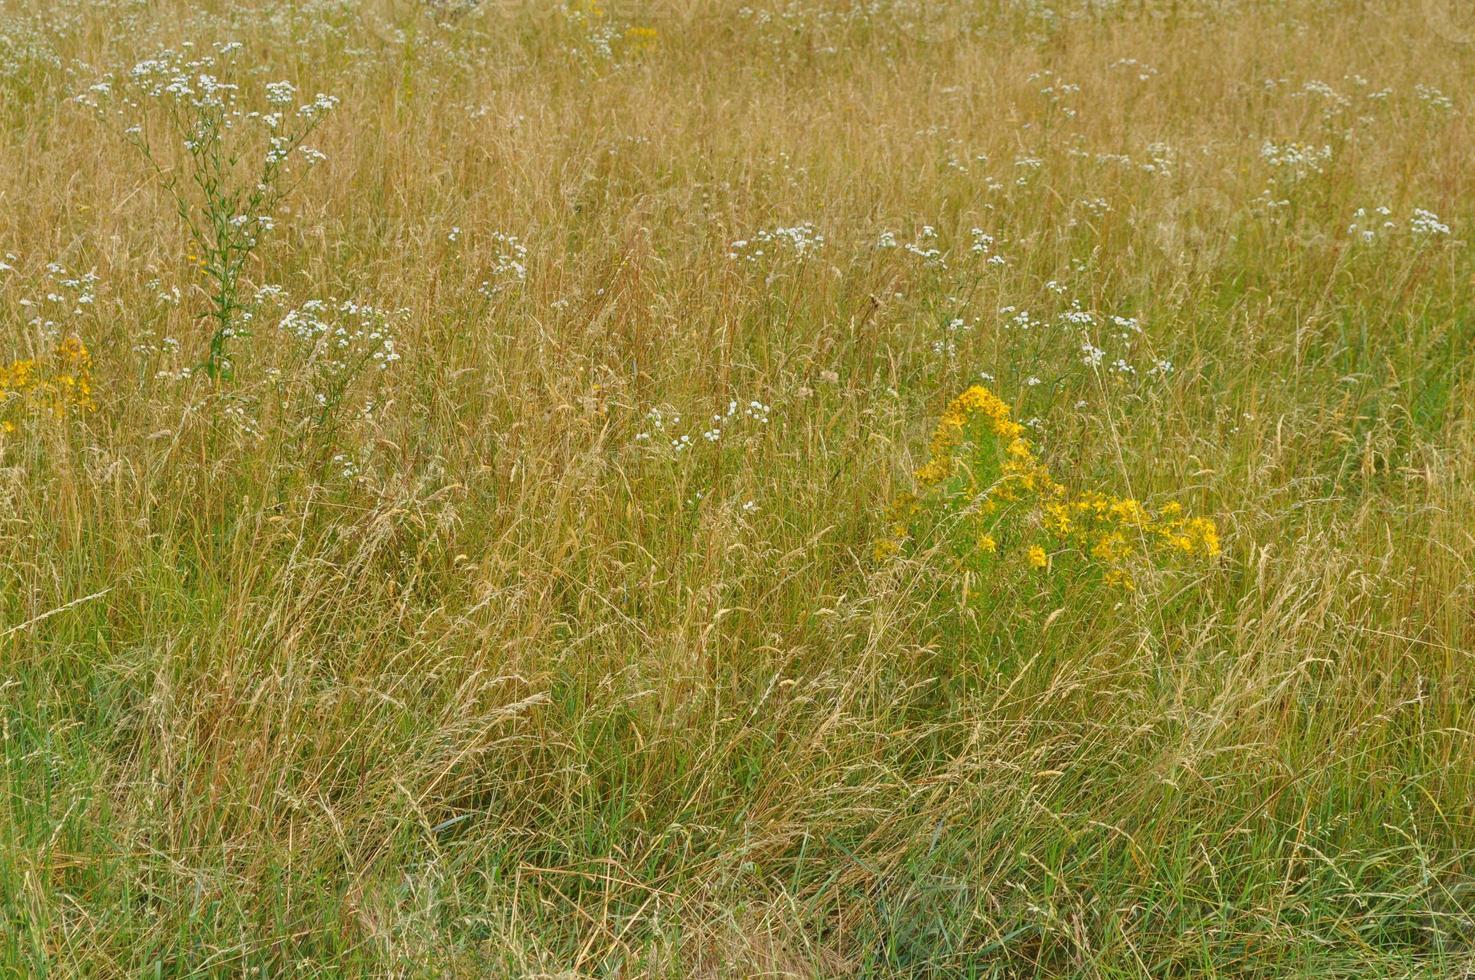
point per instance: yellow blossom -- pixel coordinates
(57, 384)
(1104, 529)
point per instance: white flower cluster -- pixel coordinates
(661, 427)
(280, 93)
(1123, 330)
(1433, 98)
(1077, 317)
(1027, 167)
(1160, 159)
(926, 248)
(797, 241)
(1142, 71)
(1056, 91)
(509, 264)
(1366, 225)
(346, 466)
(1296, 160)
(25, 52)
(1332, 102)
(1109, 342)
(1427, 223)
(983, 245)
(344, 337)
(1018, 319)
(191, 80)
(67, 296)
(1370, 224)
(180, 76)
(947, 345)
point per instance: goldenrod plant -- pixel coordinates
(986, 489)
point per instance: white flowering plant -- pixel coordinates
(341, 346)
(236, 169)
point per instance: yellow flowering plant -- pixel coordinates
(54, 385)
(996, 501)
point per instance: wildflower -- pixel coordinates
(509, 265)
(641, 38)
(1008, 484)
(1202, 531)
(798, 241)
(1057, 519)
(56, 385)
(1111, 547)
(1432, 97)
(1427, 223)
(1298, 160)
(280, 93)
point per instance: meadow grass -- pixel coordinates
(500, 593)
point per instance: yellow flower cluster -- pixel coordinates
(898, 525)
(976, 402)
(1006, 488)
(56, 384)
(641, 38)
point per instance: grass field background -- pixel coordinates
(545, 631)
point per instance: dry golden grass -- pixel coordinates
(471, 673)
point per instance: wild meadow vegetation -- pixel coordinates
(807, 488)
